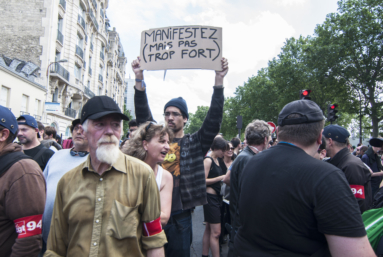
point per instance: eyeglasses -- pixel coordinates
(79, 153)
(231, 148)
(174, 114)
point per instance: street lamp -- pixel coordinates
(48, 71)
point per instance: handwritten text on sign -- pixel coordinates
(184, 47)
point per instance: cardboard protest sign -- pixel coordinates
(182, 47)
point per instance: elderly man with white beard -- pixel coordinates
(109, 205)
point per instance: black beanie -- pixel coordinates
(180, 103)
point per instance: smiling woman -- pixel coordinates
(151, 145)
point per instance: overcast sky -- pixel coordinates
(253, 33)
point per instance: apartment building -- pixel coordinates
(129, 96)
(78, 55)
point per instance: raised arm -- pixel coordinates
(141, 106)
(212, 122)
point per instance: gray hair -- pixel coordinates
(256, 132)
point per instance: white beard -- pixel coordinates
(107, 153)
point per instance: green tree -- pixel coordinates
(195, 120)
(351, 46)
(126, 123)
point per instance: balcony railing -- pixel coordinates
(94, 20)
(91, 46)
(102, 55)
(63, 4)
(95, 4)
(102, 13)
(90, 71)
(79, 52)
(37, 117)
(89, 92)
(60, 37)
(81, 21)
(24, 113)
(70, 112)
(100, 78)
(60, 70)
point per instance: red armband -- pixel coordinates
(152, 228)
(358, 191)
(29, 226)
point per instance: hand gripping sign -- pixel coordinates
(28, 226)
(183, 47)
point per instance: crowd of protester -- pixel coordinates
(301, 191)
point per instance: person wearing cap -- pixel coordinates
(185, 157)
(257, 135)
(22, 194)
(371, 158)
(60, 163)
(109, 205)
(28, 136)
(357, 174)
(292, 204)
(49, 141)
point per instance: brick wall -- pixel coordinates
(21, 29)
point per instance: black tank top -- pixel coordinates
(215, 171)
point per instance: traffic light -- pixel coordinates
(331, 112)
(239, 122)
(305, 94)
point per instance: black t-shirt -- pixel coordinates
(289, 200)
(43, 159)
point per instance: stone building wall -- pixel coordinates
(21, 29)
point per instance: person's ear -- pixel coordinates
(4, 134)
(145, 145)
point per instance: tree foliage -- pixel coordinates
(195, 120)
(126, 123)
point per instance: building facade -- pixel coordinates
(78, 55)
(129, 96)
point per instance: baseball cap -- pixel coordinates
(8, 120)
(99, 106)
(336, 133)
(309, 110)
(29, 121)
(376, 142)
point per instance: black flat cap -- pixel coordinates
(309, 110)
(376, 142)
(336, 133)
(99, 106)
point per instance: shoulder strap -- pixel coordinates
(39, 153)
(7, 160)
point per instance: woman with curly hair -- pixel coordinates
(151, 144)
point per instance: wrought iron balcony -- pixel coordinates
(94, 20)
(60, 70)
(37, 117)
(102, 55)
(89, 92)
(24, 113)
(70, 112)
(100, 78)
(60, 37)
(63, 4)
(79, 52)
(81, 21)
(91, 46)
(90, 71)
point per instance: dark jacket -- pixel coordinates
(193, 147)
(235, 177)
(373, 161)
(357, 175)
(22, 194)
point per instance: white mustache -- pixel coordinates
(108, 139)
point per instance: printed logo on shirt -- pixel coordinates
(171, 162)
(152, 228)
(358, 191)
(28, 226)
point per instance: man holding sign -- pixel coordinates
(185, 157)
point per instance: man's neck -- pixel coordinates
(179, 133)
(334, 151)
(32, 145)
(99, 167)
(80, 148)
(256, 148)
